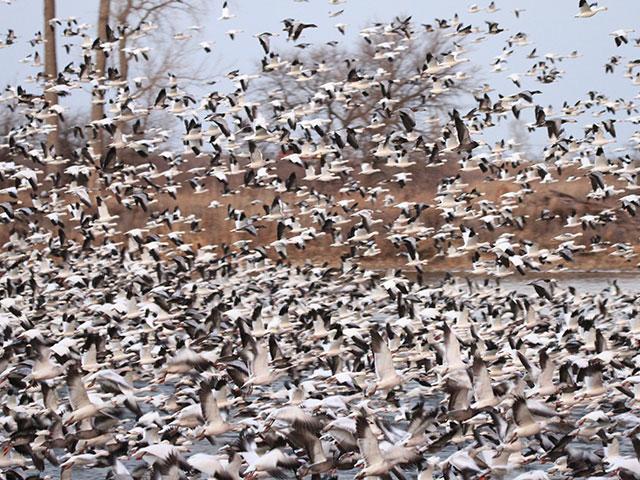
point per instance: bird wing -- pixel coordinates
(593, 377)
(500, 425)
(367, 442)
(452, 349)
(547, 367)
(401, 455)
(408, 122)
(260, 364)
(635, 441)
(521, 413)
(208, 404)
(420, 420)
(382, 356)
(77, 393)
(458, 397)
(462, 132)
(249, 453)
(205, 463)
(311, 443)
(482, 384)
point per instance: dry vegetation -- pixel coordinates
(559, 198)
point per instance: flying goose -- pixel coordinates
(588, 9)
(83, 408)
(226, 12)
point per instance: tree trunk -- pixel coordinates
(97, 105)
(122, 57)
(123, 70)
(51, 71)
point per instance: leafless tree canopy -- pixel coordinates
(403, 81)
(142, 24)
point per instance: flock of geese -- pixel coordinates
(153, 351)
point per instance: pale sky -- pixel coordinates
(550, 24)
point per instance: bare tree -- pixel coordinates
(150, 47)
(520, 137)
(404, 79)
(136, 17)
(51, 71)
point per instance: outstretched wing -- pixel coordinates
(382, 356)
(367, 442)
(521, 413)
(77, 393)
(208, 404)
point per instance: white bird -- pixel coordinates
(226, 13)
(588, 10)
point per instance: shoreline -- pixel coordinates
(529, 276)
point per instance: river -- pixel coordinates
(586, 283)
